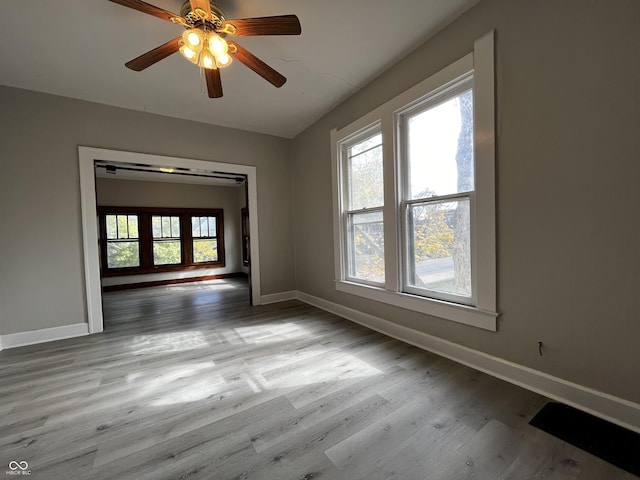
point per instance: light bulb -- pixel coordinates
(217, 45)
(189, 54)
(207, 60)
(193, 39)
(223, 60)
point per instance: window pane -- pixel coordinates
(439, 252)
(366, 246)
(202, 227)
(167, 252)
(205, 250)
(195, 226)
(156, 226)
(166, 227)
(123, 224)
(112, 230)
(175, 226)
(440, 148)
(366, 189)
(122, 254)
(132, 222)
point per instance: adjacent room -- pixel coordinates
(303, 240)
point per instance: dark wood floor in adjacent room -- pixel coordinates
(190, 382)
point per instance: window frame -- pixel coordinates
(208, 237)
(348, 259)
(162, 239)
(146, 239)
(482, 310)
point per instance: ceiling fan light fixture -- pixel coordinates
(203, 42)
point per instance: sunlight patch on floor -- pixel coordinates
(271, 333)
(194, 392)
(343, 368)
(168, 342)
(174, 385)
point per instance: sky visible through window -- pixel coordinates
(433, 143)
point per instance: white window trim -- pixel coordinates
(484, 314)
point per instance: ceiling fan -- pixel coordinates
(204, 40)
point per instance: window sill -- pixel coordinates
(464, 314)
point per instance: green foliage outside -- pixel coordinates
(123, 254)
(205, 250)
(432, 236)
(167, 252)
(369, 246)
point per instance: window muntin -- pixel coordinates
(437, 165)
(122, 241)
(363, 207)
(167, 242)
(205, 238)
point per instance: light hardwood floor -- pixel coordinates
(190, 382)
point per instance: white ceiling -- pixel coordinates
(77, 48)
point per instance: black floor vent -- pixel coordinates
(611, 443)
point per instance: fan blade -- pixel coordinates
(153, 56)
(202, 5)
(214, 83)
(147, 8)
(279, 25)
(257, 65)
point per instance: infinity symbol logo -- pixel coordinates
(13, 465)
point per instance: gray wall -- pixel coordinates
(568, 166)
(132, 193)
(42, 280)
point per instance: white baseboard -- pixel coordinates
(614, 409)
(278, 297)
(32, 337)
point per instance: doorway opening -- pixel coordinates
(148, 165)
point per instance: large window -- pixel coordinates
(147, 240)
(415, 187)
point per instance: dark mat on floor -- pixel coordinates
(611, 443)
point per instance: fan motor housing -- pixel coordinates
(218, 16)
